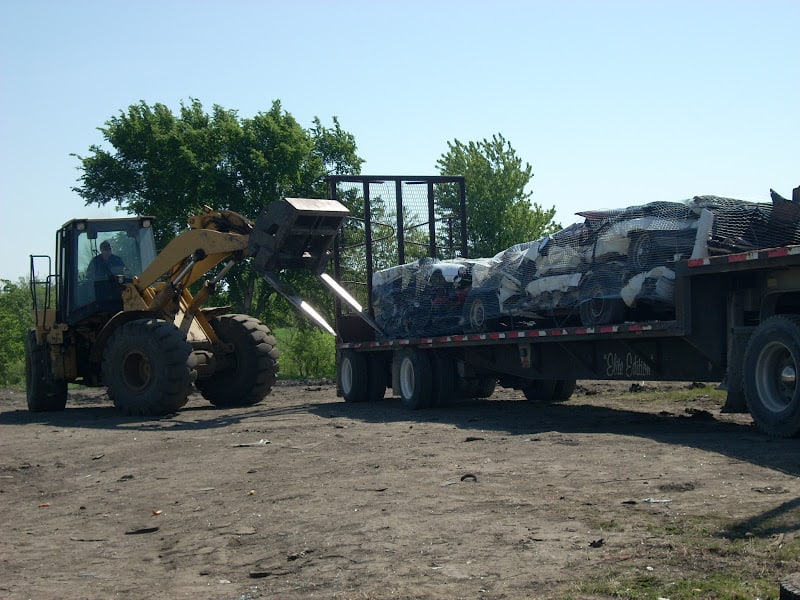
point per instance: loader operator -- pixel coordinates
(105, 265)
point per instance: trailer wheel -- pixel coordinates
(379, 375)
(445, 378)
(145, 368)
(564, 389)
(481, 387)
(540, 390)
(43, 391)
(600, 302)
(771, 365)
(361, 377)
(416, 382)
(481, 310)
(353, 376)
(253, 364)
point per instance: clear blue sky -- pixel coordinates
(613, 103)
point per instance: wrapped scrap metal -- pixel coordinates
(615, 265)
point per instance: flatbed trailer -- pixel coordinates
(736, 321)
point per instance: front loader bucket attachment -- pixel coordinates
(296, 233)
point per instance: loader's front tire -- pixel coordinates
(253, 365)
(145, 368)
(44, 392)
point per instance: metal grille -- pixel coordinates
(395, 220)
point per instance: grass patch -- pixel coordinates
(726, 585)
(702, 558)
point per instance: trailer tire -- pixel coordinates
(735, 401)
(44, 393)
(540, 390)
(564, 389)
(415, 378)
(378, 377)
(353, 376)
(255, 363)
(771, 364)
(600, 302)
(480, 387)
(445, 378)
(145, 368)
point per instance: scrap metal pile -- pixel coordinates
(616, 265)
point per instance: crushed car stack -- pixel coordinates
(615, 265)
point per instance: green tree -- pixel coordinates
(500, 212)
(171, 165)
(16, 318)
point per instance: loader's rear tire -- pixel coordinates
(253, 364)
(145, 368)
(44, 392)
(416, 382)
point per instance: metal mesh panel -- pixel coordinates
(614, 266)
(395, 220)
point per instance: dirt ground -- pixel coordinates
(307, 496)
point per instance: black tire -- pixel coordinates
(379, 375)
(416, 382)
(253, 365)
(640, 252)
(735, 401)
(362, 377)
(564, 389)
(353, 376)
(481, 311)
(145, 368)
(445, 378)
(44, 393)
(790, 587)
(771, 363)
(600, 302)
(540, 390)
(480, 387)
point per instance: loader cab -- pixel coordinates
(86, 290)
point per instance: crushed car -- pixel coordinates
(613, 266)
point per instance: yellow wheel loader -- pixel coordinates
(131, 324)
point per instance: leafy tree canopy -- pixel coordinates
(170, 165)
(499, 210)
(15, 320)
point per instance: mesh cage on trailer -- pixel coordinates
(394, 220)
(409, 243)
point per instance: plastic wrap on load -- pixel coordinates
(424, 297)
(615, 265)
